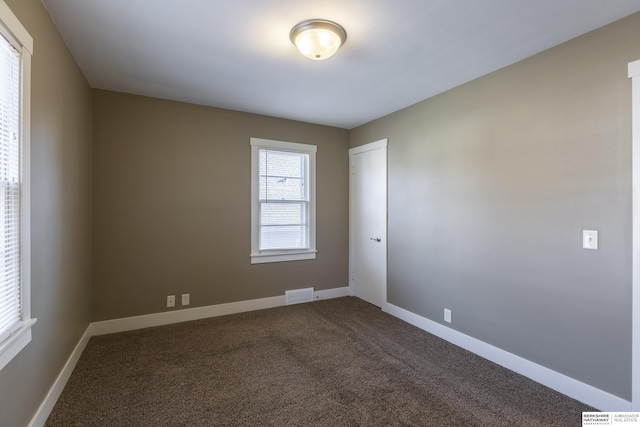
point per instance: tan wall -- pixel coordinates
(503, 173)
(172, 206)
(60, 223)
(490, 186)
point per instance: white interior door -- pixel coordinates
(368, 222)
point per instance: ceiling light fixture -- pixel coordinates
(318, 39)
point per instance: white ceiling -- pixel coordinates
(236, 54)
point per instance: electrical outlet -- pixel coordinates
(447, 315)
(171, 300)
(185, 299)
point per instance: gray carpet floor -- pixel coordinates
(339, 362)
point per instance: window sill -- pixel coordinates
(283, 256)
(15, 343)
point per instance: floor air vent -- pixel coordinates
(297, 296)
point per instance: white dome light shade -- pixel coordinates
(318, 39)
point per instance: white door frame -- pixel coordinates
(353, 151)
(634, 75)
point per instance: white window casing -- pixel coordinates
(283, 201)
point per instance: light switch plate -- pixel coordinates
(590, 239)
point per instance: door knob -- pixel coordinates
(376, 239)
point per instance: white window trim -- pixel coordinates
(257, 256)
(13, 29)
(634, 75)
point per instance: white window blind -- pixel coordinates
(284, 199)
(10, 250)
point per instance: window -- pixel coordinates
(15, 75)
(282, 201)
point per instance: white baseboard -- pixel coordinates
(331, 293)
(580, 391)
(177, 316)
(50, 400)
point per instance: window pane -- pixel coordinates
(283, 226)
(9, 259)
(283, 237)
(10, 281)
(281, 163)
(282, 175)
(283, 213)
(281, 188)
